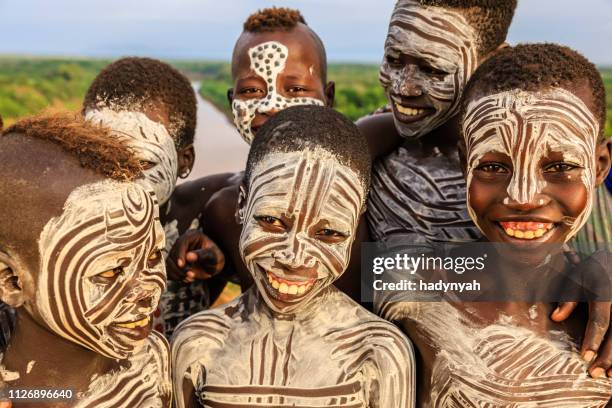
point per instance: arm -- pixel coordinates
(395, 381)
(379, 130)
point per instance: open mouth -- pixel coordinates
(135, 330)
(296, 288)
(526, 230)
(407, 113)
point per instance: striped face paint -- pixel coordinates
(150, 141)
(295, 202)
(527, 126)
(267, 61)
(425, 96)
(102, 273)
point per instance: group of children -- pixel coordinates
(480, 141)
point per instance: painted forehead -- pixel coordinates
(441, 36)
(532, 114)
(316, 171)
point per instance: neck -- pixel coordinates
(50, 359)
(303, 312)
(445, 137)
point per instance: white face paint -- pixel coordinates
(151, 143)
(526, 126)
(102, 273)
(306, 194)
(425, 98)
(267, 61)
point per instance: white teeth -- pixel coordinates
(408, 111)
(132, 325)
(289, 289)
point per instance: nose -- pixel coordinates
(408, 83)
(535, 202)
(294, 255)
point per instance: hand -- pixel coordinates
(194, 256)
(597, 346)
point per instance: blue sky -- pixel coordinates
(353, 30)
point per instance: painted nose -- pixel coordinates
(408, 82)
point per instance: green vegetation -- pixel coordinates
(29, 85)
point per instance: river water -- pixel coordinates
(218, 145)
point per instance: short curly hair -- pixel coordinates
(284, 19)
(273, 19)
(533, 67)
(131, 83)
(490, 18)
(304, 127)
(91, 144)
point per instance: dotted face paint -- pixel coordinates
(101, 262)
(526, 126)
(151, 142)
(447, 43)
(267, 61)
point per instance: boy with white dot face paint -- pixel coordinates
(293, 339)
(85, 291)
(278, 61)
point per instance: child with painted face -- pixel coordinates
(293, 339)
(532, 125)
(80, 261)
(152, 107)
(278, 61)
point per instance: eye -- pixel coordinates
(330, 235)
(493, 168)
(252, 92)
(154, 259)
(146, 164)
(560, 167)
(270, 222)
(107, 277)
(296, 89)
(429, 70)
(393, 60)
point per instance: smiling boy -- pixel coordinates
(80, 261)
(293, 339)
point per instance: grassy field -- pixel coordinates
(28, 85)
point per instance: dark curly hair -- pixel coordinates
(533, 67)
(131, 83)
(92, 145)
(284, 19)
(273, 19)
(490, 18)
(306, 127)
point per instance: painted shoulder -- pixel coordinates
(203, 187)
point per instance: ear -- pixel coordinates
(11, 292)
(186, 157)
(603, 154)
(330, 93)
(492, 53)
(240, 204)
(230, 96)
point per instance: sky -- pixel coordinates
(352, 30)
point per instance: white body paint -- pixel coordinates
(267, 61)
(333, 353)
(526, 126)
(444, 39)
(143, 381)
(103, 225)
(499, 365)
(150, 141)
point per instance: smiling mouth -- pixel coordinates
(135, 324)
(287, 287)
(407, 113)
(526, 230)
